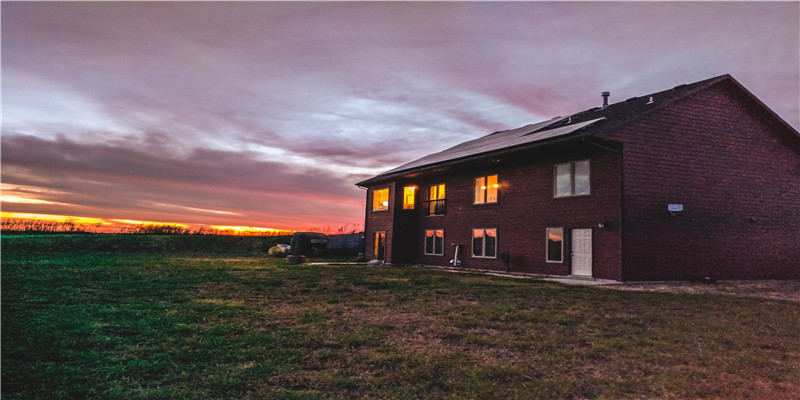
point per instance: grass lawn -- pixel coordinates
(132, 324)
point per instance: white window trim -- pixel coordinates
(571, 179)
(424, 246)
(484, 242)
(547, 244)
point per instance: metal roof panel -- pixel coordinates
(496, 141)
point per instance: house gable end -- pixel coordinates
(732, 167)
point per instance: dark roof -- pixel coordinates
(497, 141)
(597, 122)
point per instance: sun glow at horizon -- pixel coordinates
(54, 218)
(137, 222)
(248, 230)
(117, 225)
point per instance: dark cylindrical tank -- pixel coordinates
(311, 244)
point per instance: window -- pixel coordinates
(484, 243)
(380, 199)
(486, 189)
(434, 242)
(436, 204)
(409, 193)
(572, 179)
(380, 246)
(555, 245)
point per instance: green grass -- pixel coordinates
(174, 324)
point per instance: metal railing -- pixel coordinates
(435, 207)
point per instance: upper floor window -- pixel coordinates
(409, 194)
(572, 179)
(484, 243)
(380, 199)
(436, 203)
(434, 242)
(486, 189)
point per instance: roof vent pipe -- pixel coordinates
(605, 98)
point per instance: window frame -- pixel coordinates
(485, 190)
(388, 196)
(572, 179)
(413, 203)
(376, 251)
(432, 206)
(437, 185)
(547, 244)
(425, 245)
(483, 244)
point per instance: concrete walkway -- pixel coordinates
(568, 279)
(767, 289)
(565, 279)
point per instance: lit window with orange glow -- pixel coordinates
(486, 189)
(380, 199)
(409, 194)
(436, 201)
(555, 245)
(437, 192)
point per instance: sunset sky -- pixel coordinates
(266, 113)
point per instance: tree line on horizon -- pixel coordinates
(38, 227)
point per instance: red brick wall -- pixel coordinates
(718, 153)
(737, 175)
(377, 221)
(525, 208)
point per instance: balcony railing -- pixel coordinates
(435, 207)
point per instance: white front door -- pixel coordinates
(582, 252)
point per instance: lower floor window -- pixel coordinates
(555, 245)
(380, 246)
(484, 243)
(434, 242)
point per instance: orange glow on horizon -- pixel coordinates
(54, 218)
(114, 225)
(137, 222)
(247, 230)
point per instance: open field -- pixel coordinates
(80, 321)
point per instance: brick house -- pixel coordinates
(698, 181)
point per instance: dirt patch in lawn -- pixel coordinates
(787, 290)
